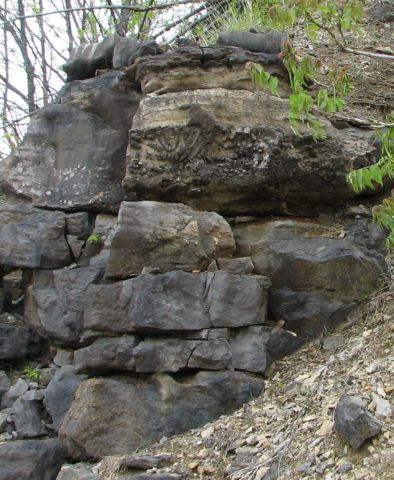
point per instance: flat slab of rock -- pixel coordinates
(233, 151)
(14, 339)
(76, 472)
(353, 421)
(114, 416)
(176, 301)
(166, 236)
(32, 238)
(192, 68)
(310, 265)
(31, 459)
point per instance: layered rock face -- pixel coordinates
(170, 249)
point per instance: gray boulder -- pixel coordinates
(248, 346)
(233, 151)
(107, 354)
(167, 236)
(55, 300)
(310, 265)
(176, 301)
(18, 389)
(115, 416)
(236, 266)
(59, 393)
(87, 58)
(353, 421)
(14, 338)
(163, 355)
(68, 159)
(30, 237)
(26, 415)
(127, 50)
(76, 472)
(31, 459)
(271, 42)
(211, 355)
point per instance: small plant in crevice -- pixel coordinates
(32, 374)
(94, 239)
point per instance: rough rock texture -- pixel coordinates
(318, 272)
(55, 300)
(14, 339)
(141, 411)
(73, 153)
(18, 389)
(176, 301)
(107, 354)
(271, 42)
(32, 238)
(166, 236)
(26, 415)
(353, 421)
(128, 49)
(234, 152)
(194, 67)
(31, 459)
(59, 393)
(75, 472)
(4, 383)
(249, 351)
(77, 224)
(89, 57)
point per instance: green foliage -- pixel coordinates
(95, 238)
(264, 79)
(368, 177)
(32, 374)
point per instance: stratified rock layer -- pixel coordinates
(111, 416)
(166, 236)
(318, 272)
(234, 152)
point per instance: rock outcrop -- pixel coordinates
(140, 228)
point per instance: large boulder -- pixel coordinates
(318, 271)
(73, 154)
(30, 237)
(193, 67)
(111, 416)
(166, 236)
(235, 152)
(176, 301)
(31, 459)
(55, 301)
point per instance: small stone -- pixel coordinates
(203, 453)
(261, 473)
(193, 465)
(325, 428)
(207, 432)
(383, 407)
(345, 467)
(353, 421)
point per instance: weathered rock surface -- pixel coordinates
(176, 301)
(77, 224)
(26, 415)
(249, 351)
(195, 67)
(234, 152)
(73, 154)
(4, 383)
(318, 272)
(59, 393)
(32, 238)
(143, 410)
(236, 266)
(76, 472)
(87, 58)
(128, 49)
(353, 421)
(14, 338)
(18, 389)
(167, 236)
(55, 301)
(107, 354)
(31, 459)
